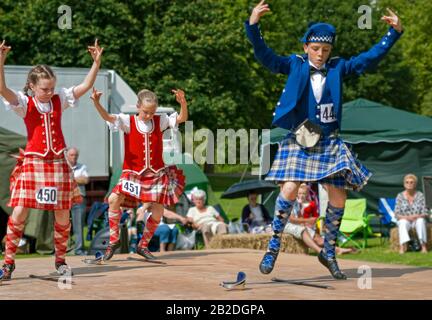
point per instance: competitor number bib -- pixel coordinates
(132, 188)
(327, 113)
(47, 195)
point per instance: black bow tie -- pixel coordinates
(313, 70)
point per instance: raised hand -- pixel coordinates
(260, 9)
(393, 20)
(180, 96)
(95, 51)
(95, 96)
(4, 49)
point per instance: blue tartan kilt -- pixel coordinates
(331, 161)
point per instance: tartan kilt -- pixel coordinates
(164, 187)
(331, 161)
(33, 173)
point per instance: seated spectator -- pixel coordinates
(165, 236)
(303, 218)
(167, 231)
(411, 213)
(205, 218)
(254, 214)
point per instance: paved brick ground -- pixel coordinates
(194, 275)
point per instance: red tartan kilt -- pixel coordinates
(164, 187)
(33, 173)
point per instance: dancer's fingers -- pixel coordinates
(391, 12)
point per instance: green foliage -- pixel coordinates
(417, 49)
(200, 46)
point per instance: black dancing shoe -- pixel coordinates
(109, 252)
(268, 262)
(63, 269)
(145, 252)
(332, 266)
(7, 271)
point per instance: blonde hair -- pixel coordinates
(303, 186)
(412, 176)
(41, 71)
(147, 97)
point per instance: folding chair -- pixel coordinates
(386, 208)
(355, 222)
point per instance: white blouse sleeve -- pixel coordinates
(67, 98)
(168, 121)
(21, 108)
(122, 123)
(84, 171)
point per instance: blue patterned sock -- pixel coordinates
(332, 223)
(283, 211)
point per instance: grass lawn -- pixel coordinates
(232, 207)
(375, 252)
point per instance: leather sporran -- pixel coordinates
(308, 134)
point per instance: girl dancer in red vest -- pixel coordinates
(42, 178)
(145, 178)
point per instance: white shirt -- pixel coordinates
(80, 170)
(317, 81)
(122, 123)
(206, 217)
(257, 212)
(67, 100)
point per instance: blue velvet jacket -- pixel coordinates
(297, 69)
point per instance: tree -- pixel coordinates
(201, 46)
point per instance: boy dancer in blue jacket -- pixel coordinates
(310, 106)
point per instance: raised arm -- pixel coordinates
(7, 93)
(104, 114)
(260, 9)
(370, 58)
(87, 84)
(265, 55)
(180, 97)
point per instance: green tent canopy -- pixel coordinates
(39, 223)
(390, 142)
(365, 121)
(10, 143)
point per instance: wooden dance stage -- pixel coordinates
(196, 275)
